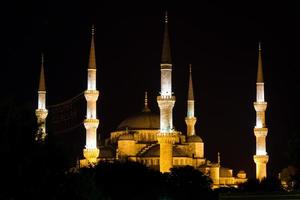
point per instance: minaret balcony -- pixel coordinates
(260, 106)
(41, 113)
(260, 132)
(91, 95)
(166, 98)
(91, 123)
(166, 66)
(91, 157)
(261, 159)
(191, 120)
(166, 138)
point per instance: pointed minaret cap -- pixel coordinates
(260, 78)
(92, 59)
(42, 85)
(146, 108)
(191, 90)
(219, 158)
(166, 52)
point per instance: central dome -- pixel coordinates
(143, 120)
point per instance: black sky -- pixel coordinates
(221, 42)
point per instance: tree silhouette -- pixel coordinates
(269, 184)
(294, 158)
(188, 183)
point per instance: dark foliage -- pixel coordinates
(294, 158)
(129, 180)
(187, 183)
(269, 184)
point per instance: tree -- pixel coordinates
(269, 184)
(294, 158)
(188, 183)
(127, 180)
(251, 185)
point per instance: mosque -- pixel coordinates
(150, 138)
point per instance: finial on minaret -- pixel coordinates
(260, 78)
(42, 59)
(166, 17)
(219, 158)
(42, 85)
(93, 29)
(92, 59)
(146, 108)
(191, 92)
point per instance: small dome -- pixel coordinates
(194, 138)
(241, 174)
(126, 136)
(144, 120)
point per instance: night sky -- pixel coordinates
(220, 41)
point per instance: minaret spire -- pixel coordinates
(42, 86)
(41, 112)
(190, 119)
(191, 90)
(91, 151)
(166, 100)
(260, 78)
(260, 130)
(166, 52)
(92, 58)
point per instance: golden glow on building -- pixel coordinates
(151, 139)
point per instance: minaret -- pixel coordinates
(166, 101)
(260, 130)
(190, 119)
(41, 112)
(91, 151)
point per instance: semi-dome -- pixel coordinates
(194, 138)
(143, 120)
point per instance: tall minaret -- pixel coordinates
(166, 101)
(41, 112)
(91, 151)
(190, 119)
(260, 130)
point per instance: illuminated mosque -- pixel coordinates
(150, 138)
